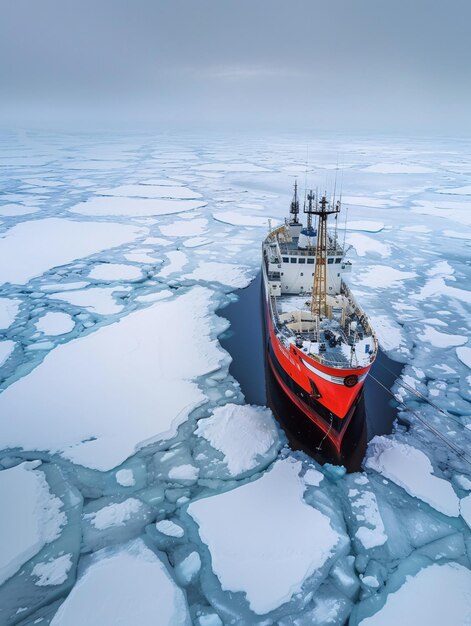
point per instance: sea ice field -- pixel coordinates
(137, 485)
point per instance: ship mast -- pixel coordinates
(319, 290)
(294, 208)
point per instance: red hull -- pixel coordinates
(318, 391)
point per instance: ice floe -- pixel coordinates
(224, 273)
(133, 397)
(53, 572)
(55, 323)
(31, 248)
(127, 586)
(464, 355)
(264, 540)
(151, 191)
(411, 469)
(6, 350)
(383, 276)
(397, 168)
(9, 308)
(115, 271)
(107, 205)
(242, 433)
(238, 219)
(187, 228)
(27, 522)
(366, 245)
(438, 594)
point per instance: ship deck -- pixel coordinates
(330, 346)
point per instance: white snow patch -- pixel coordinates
(53, 572)
(115, 514)
(411, 469)
(125, 478)
(313, 477)
(31, 248)
(437, 595)
(241, 432)
(371, 532)
(183, 472)
(31, 516)
(127, 586)
(169, 528)
(263, 538)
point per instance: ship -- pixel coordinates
(320, 343)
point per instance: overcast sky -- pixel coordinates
(387, 65)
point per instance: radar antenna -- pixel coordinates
(294, 208)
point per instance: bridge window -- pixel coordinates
(302, 260)
(330, 261)
(311, 261)
(285, 259)
(293, 259)
(338, 260)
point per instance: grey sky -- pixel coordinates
(333, 64)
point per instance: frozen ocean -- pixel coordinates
(137, 485)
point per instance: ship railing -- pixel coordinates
(345, 290)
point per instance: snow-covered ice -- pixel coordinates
(108, 205)
(132, 396)
(263, 538)
(9, 308)
(150, 191)
(31, 248)
(55, 323)
(241, 433)
(31, 519)
(397, 168)
(238, 219)
(6, 349)
(115, 514)
(115, 271)
(186, 228)
(411, 469)
(436, 595)
(53, 572)
(130, 585)
(225, 273)
(125, 478)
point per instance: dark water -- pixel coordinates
(245, 342)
